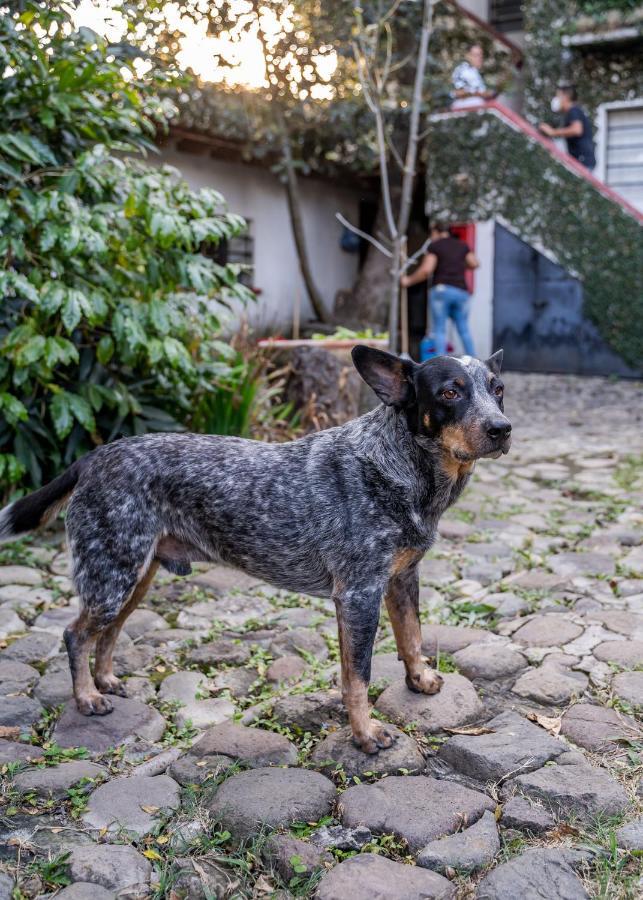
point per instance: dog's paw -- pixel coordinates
(110, 684)
(377, 737)
(425, 682)
(94, 705)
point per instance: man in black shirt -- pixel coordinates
(446, 261)
(577, 129)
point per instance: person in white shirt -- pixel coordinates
(468, 84)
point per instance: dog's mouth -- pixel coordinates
(493, 453)
(499, 451)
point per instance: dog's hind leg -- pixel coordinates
(104, 678)
(358, 613)
(402, 602)
(79, 639)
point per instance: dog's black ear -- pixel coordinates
(390, 377)
(494, 363)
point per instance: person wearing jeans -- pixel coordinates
(449, 302)
(446, 260)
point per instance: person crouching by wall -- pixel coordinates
(446, 261)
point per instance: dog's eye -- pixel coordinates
(449, 394)
(499, 391)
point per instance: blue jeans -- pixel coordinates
(448, 302)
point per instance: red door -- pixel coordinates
(467, 232)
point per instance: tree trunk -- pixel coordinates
(297, 224)
(369, 307)
(395, 228)
(394, 301)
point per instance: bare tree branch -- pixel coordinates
(374, 83)
(376, 109)
(363, 234)
(395, 153)
(414, 127)
(418, 253)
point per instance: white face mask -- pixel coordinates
(555, 104)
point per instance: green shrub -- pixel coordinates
(110, 311)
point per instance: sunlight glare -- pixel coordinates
(233, 57)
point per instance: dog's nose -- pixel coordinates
(499, 430)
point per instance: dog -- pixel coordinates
(346, 513)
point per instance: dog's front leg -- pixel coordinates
(358, 613)
(402, 602)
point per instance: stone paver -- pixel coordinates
(12, 751)
(581, 564)
(532, 599)
(534, 875)
(310, 712)
(302, 641)
(551, 684)
(20, 575)
(10, 623)
(574, 790)
(252, 747)
(466, 851)
(626, 654)
(630, 836)
(370, 877)
(115, 867)
(260, 798)
(488, 661)
(628, 686)
(85, 890)
(19, 711)
(511, 745)
(417, 808)
(32, 648)
(54, 688)
(338, 749)
(547, 631)
(597, 728)
(286, 668)
(455, 705)
(519, 813)
(449, 638)
(131, 804)
(17, 677)
(128, 720)
(282, 848)
(55, 781)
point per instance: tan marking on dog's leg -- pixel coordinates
(368, 734)
(104, 677)
(404, 560)
(79, 638)
(405, 620)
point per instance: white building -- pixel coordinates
(269, 247)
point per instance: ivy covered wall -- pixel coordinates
(494, 171)
(339, 134)
(603, 72)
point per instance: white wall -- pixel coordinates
(481, 309)
(479, 8)
(258, 195)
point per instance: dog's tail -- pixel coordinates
(37, 509)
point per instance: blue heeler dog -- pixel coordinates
(346, 513)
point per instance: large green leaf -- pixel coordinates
(61, 414)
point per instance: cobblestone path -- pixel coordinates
(228, 770)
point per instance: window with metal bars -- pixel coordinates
(239, 249)
(506, 15)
